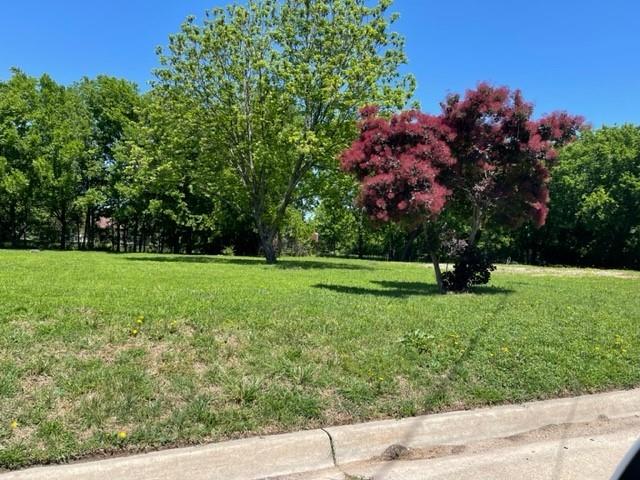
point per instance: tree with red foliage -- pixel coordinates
(483, 157)
(502, 156)
(399, 162)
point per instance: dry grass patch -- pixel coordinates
(567, 272)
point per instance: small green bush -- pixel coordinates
(229, 251)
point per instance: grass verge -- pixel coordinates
(103, 353)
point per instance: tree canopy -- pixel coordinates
(279, 83)
(399, 162)
(483, 159)
(595, 192)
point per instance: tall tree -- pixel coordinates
(595, 195)
(503, 156)
(63, 126)
(113, 105)
(483, 157)
(18, 105)
(161, 177)
(279, 83)
(400, 164)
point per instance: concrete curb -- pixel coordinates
(282, 455)
(246, 459)
(353, 443)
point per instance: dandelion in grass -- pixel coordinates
(122, 435)
(13, 425)
(173, 326)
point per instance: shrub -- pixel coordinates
(229, 251)
(472, 267)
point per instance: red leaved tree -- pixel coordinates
(502, 156)
(399, 162)
(483, 157)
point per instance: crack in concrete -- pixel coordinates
(333, 448)
(346, 475)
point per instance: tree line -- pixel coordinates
(235, 148)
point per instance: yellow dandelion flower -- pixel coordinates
(122, 434)
(13, 424)
(134, 331)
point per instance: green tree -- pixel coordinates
(338, 219)
(278, 84)
(63, 127)
(163, 181)
(595, 200)
(18, 104)
(113, 105)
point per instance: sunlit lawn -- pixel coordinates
(230, 347)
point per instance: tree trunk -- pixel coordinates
(269, 250)
(175, 240)
(438, 272)
(14, 225)
(91, 230)
(476, 222)
(85, 234)
(267, 237)
(118, 237)
(189, 241)
(63, 229)
(406, 251)
(361, 237)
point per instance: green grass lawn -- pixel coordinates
(230, 347)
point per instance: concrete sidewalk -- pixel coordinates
(583, 437)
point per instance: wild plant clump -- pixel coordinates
(473, 267)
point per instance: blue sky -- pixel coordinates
(581, 56)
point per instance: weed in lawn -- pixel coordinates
(418, 340)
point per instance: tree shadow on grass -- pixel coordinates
(284, 264)
(405, 289)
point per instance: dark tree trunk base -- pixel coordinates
(438, 273)
(268, 248)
